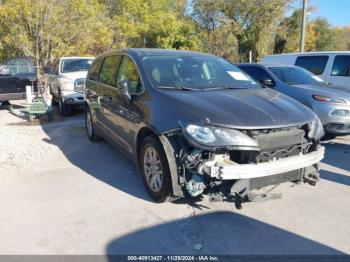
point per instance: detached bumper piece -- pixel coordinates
(229, 170)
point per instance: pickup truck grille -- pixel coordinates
(279, 144)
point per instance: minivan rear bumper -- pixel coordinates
(232, 171)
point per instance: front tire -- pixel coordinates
(155, 170)
(65, 109)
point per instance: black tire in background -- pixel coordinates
(65, 109)
(164, 193)
(328, 137)
(5, 103)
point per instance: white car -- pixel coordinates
(66, 80)
(333, 67)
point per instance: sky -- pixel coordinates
(336, 11)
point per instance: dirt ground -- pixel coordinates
(62, 194)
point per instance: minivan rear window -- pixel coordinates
(315, 64)
(341, 65)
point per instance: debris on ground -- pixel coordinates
(197, 247)
(20, 145)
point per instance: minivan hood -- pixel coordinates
(234, 108)
(74, 75)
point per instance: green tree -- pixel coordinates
(46, 29)
(324, 34)
(214, 31)
(320, 36)
(157, 23)
(342, 35)
(254, 23)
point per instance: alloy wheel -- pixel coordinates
(153, 169)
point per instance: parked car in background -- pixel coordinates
(333, 67)
(66, 79)
(15, 75)
(194, 123)
(330, 104)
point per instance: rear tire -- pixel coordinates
(155, 170)
(89, 126)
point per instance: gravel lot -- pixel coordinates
(62, 194)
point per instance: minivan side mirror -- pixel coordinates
(5, 71)
(267, 82)
(125, 86)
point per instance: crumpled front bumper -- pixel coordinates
(228, 170)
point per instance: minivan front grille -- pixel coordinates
(279, 144)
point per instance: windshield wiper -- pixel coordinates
(178, 88)
(225, 87)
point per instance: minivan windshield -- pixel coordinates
(296, 76)
(73, 65)
(195, 73)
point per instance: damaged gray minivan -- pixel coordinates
(196, 124)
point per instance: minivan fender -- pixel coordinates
(170, 155)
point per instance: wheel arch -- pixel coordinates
(169, 154)
(141, 135)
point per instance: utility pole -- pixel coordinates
(303, 27)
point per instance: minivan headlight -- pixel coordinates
(217, 137)
(316, 131)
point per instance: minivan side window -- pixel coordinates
(128, 71)
(108, 70)
(341, 65)
(95, 69)
(315, 64)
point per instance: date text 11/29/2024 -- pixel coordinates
(173, 258)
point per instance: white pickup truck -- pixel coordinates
(66, 79)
